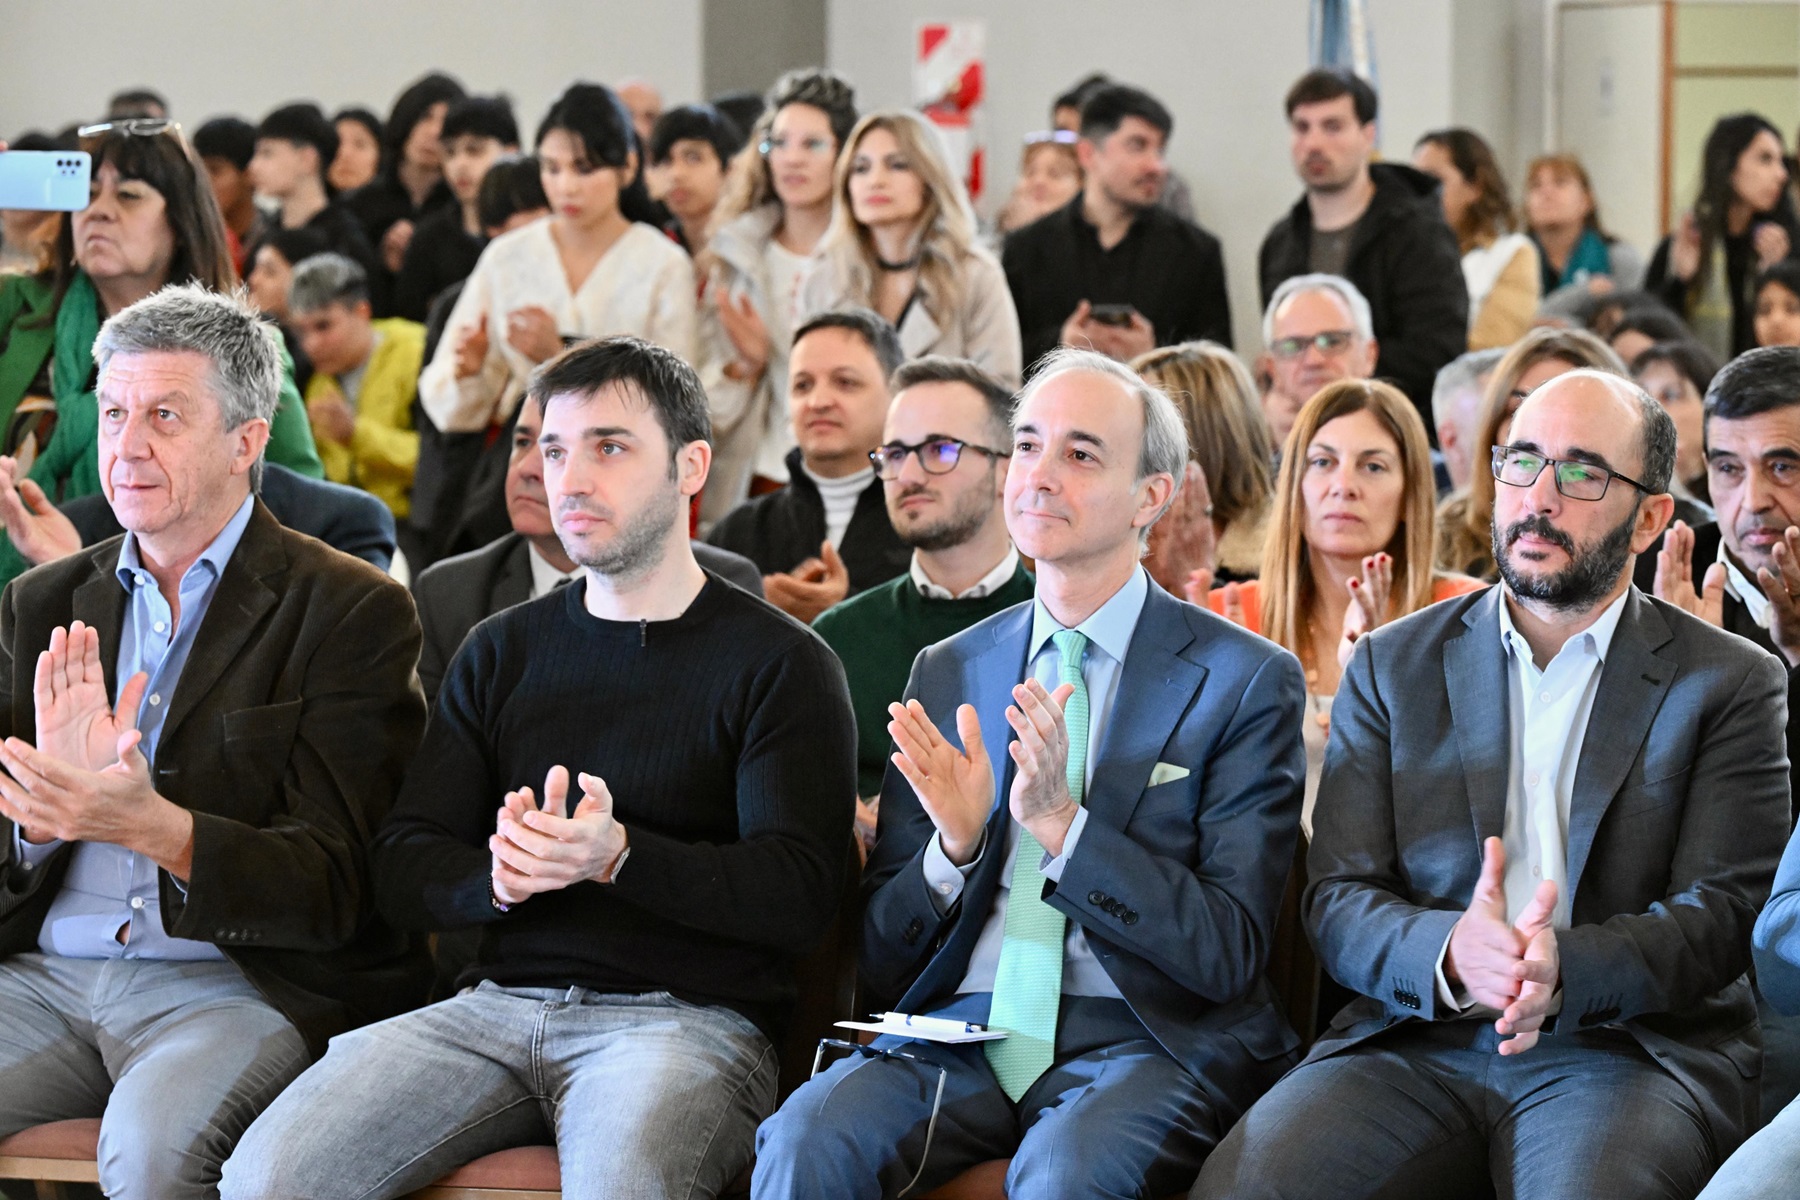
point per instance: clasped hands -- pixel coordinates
(87, 780)
(546, 849)
(811, 587)
(1510, 966)
(956, 787)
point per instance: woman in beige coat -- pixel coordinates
(902, 242)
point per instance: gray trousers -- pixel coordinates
(1426, 1110)
(175, 1058)
(645, 1097)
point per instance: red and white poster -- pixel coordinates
(949, 87)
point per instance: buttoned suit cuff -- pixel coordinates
(1052, 866)
(1453, 998)
(944, 879)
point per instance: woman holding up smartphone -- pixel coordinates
(1742, 223)
(902, 242)
(588, 270)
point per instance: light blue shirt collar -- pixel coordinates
(1109, 628)
(131, 571)
(1596, 639)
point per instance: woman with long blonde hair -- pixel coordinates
(902, 242)
(1349, 544)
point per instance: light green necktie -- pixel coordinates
(1028, 980)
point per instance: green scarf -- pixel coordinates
(1709, 308)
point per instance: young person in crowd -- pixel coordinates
(443, 249)
(1642, 325)
(1229, 442)
(697, 757)
(1379, 225)
(1500, 264)
(410, 184)
(1065, 117)
(358, 158)
(1777, 318)
(1049, 178)
(1317, 329)
(151, 220)
(191, 908)
(1578, 259)
(1465, 520)
(294, 145)
(1103, 888)
(1677, 375)
(1549, 813)
(365, 380)
(1113, 271)
(588, 271)
(689, 150)
(902, 242)
(764, 235)
(1743, 221)
(1349, 546)
(942, 464)
(826, 535)
(225, 146)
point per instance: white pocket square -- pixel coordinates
(1167, 773)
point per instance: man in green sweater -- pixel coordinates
(942, 465)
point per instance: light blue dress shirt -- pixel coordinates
(1108, 632)
(109, 888)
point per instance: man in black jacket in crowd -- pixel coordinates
(1379, 225)
(1114, 271)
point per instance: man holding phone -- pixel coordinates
(1113, 271)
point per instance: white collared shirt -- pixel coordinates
(544, 577)
(984, 587)
(1745, 589)
(1547, 721)
(1109, 631)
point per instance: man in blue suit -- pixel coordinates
(1084, 837)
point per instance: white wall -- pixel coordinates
(63, 58)
(1222, 67)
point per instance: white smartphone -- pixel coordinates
(48, 180)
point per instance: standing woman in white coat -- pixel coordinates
(587, 270)
(765, 233)
(903, 242)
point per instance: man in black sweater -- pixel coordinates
(1114, 271)
(1379, 225)
(697, 756)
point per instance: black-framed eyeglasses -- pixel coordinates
(1517, 467)
(135, 126)
(1332, 341)
(938, 456)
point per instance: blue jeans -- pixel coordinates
(1767, 1167)
(175, 1058)
(646, 1096)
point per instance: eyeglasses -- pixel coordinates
(814, 146)
(1062, 137)
(135, 126)
(938, 456)
(1332, 341)
(1576, 480)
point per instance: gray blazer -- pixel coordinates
(1679, 813)
(1176, 884)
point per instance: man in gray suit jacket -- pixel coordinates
(1120, 943)
(1548, 815)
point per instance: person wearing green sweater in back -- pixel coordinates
(942, 465)
(151, 220)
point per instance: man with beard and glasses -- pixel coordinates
(942, 464)
(1549, 814)
(1114, 271)
(642, 913)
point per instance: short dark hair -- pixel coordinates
(1755, 382)
(1658, 441)
(482, 116)
(364, 117)
(296, 245)
(1107, 106)
(743, 108)
(1698, 363)
(1077, 95)
(1785, 273)
(1328, 83)
(136, 102)
(410, 107)
(1654, 321)
(818, 88)
(304, 125)
(230, 138)
(941, 368)
(694, 123)
(866, 324)
(511, 186)
(668, 384)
